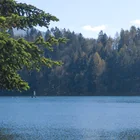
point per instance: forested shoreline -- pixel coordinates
(102, 66)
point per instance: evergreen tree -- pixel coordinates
(17, 54)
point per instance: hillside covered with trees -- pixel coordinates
(102, 66)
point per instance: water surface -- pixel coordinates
(71, 118)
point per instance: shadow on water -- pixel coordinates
(5, 134)
(68, 134)
(129, 135)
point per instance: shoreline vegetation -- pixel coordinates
(91, 67)
(27, 94)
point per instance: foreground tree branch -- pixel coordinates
(16, 54)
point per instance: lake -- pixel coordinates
(70, 118)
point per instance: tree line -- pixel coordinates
(102, 66)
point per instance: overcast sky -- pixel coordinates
(90, 16)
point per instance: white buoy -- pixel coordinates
(34, 94)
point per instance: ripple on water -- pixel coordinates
(67, 134)
(64, 118)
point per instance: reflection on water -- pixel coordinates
(69, 134)
(70, 118)
(5, 134)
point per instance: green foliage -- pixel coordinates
(21, 16)
(18, 54)
(102, 66)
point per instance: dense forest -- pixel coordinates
(102, 66)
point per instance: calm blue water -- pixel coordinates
(71, 118)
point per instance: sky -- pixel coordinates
(89, 17)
